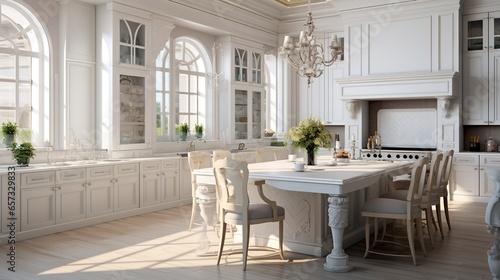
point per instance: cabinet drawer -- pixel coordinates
(170, 164)
(150, 166)
(126, 169)
(465, 159)
(37, 179)
(490, 160)
(70, 175)
(99, 172)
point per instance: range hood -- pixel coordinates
(441, 85)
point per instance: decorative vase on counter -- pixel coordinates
(183, 136)
(9, 138)
(311, 156)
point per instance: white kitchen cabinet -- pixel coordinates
(126, 187)
(464, 178)
(151, 183)
(469, 174)
(481, 70)
(10, 202)
(248, 115)
(99, 190)
(122, 96)
(159, 182)
(38, 200)
(70, 195)
(170, 180)
(243, 115)
(185, 188)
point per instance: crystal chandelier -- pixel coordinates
(307, 55)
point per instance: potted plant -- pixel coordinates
(198, 128)
(268, 132)
(22, 153)
(309, 135)
(9, 130)
(182, 130)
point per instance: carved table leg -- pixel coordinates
(337, 260)
(206, 199)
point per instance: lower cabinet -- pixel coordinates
(469, 174)
(126, 187)
(159, 182)
(99, 190)
(185, 188)
(48, 198)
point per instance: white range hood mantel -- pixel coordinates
(442, 85)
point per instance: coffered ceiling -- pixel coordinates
(295, 3)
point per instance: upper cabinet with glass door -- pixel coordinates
(132, 43)
(480, 63)
(247, 65)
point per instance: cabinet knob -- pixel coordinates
(59, 188)
(144, 176)
(158, 174)
(89, 184)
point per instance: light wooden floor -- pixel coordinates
(158, 246)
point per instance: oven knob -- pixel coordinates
(410, 156)
(375, 155)
(405, 156)
(379, 155)
(389, 156)
(416, 156)
(367, 155)
(398, 156)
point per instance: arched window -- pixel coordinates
(24, 71)
(181, 87)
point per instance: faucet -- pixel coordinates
(191, 146)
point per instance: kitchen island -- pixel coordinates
(345, 186)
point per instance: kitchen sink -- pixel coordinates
(184, 154)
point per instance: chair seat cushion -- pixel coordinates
(397, 194)
(257, 211)
(387, 205)
(401, 184)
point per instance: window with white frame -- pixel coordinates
(181, 87)
(24, 71)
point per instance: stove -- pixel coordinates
(367, 154)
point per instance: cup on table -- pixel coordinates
(292, 157)
(300, 166)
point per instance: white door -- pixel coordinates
(99, 197)
(170, 183)
(37, 207)
(126, 193)
(151, 189)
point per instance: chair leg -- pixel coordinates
(434, 222)
(445, 204)
(367, 236)
(246, 241)
(221, 241)
(375, 234)
(281, 239)
(409, 231)
(428, 215)
(440, 222)
(420, 235)
(193, 212)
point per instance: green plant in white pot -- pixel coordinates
(9, 131)
(23, 152)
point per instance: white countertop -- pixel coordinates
(323, 177)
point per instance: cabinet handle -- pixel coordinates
(475, 168)
(163, 173)
(144, 176)
(59, 188)
(89, 184)
(158, 174)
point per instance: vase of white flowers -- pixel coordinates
(310, 135)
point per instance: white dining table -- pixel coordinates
(326, 178)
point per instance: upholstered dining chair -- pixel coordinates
(198, 160)
(407, 210)
(237, 209)
(443, 186)
(430, 195)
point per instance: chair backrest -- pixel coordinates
(220, 154)
(199, 159)
(434, 179)
(448, 156)
(231, 177)
(416, 188)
